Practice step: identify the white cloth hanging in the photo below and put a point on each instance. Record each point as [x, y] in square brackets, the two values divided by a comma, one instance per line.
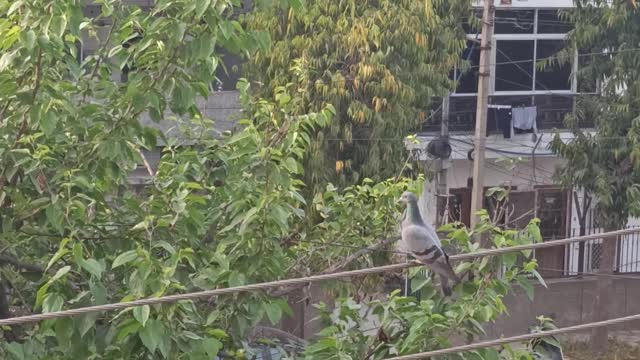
[524, 118]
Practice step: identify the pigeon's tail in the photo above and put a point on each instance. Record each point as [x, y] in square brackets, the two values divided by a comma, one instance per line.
[444, 283]
[446, 273]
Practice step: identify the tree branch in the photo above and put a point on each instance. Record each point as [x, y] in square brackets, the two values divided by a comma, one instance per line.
[101, 55]
[273, 333]
[4, 301]
[36, 87]
[6, 259]
[340, 265]
[146, 163]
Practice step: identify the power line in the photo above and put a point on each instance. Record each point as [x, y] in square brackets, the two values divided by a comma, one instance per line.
[503, 151]
[512, 62]
[519, 338]
[300, 281]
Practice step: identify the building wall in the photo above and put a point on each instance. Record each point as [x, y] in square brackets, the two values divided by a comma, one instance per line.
[522, 174]
[569, 302]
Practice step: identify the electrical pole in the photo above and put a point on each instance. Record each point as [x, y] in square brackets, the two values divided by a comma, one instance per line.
[484, 69]
[441, 188]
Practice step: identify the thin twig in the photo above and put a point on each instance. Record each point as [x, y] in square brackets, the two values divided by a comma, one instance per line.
[101, 55]
[34, 94]
[342, 264]
[6, 259]
[146, 163]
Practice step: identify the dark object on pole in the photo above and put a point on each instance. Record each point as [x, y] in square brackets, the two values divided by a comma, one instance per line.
[439, 148]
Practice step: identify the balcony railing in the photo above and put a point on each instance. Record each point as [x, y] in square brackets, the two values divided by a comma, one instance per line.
[551, 111]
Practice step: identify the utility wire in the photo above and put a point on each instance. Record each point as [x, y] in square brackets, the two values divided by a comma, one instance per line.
[513, 62]
[298, 281]
[519, 338]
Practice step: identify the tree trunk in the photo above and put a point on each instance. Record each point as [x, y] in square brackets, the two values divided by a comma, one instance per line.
[582, 220]
[604, 290]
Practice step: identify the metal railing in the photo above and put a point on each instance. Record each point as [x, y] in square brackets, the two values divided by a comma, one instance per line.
[585, 257]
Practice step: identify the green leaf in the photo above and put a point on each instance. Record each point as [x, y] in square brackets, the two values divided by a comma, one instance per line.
[55, 217]
[211, 346]
[201, 7]
[127, 329]
[218, 333]
[98, 291]
[463, 267]
[213, 316]
[236, 279]
[86, 323]
[534, 231]
[16, 350]
[58, 24]
[274, 312]
[489, 354]
[29, 38]
[296, 4]
[526, 285]
[93, 267]
[292, 165]
[182, 97]
[42, 292]
[419, 282]
[15, 6]
[49, 122]
[152, 334]
[62, 251]
[52, 303]
[539, 277]
[249, 217]
[124, 258]
[141, 313]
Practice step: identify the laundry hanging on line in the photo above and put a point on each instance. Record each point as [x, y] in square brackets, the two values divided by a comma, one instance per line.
[500, 119]
[524, 118]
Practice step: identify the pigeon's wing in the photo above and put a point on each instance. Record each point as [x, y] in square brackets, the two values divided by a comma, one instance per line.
[432, 234]
[418, 239]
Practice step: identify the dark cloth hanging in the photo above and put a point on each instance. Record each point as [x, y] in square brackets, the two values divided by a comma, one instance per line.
[499, 119]
[492, 121]
[504, 122]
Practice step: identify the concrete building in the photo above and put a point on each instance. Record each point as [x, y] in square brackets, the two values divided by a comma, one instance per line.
[527, 105]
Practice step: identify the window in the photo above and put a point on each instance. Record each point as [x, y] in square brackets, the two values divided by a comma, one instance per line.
[522, 41]
[514, 65]
[552, 76]
[551, 22]
[468, 80]
[552, 110]
[552, 210]
[229, 74]
[514, 22]
[462, 116]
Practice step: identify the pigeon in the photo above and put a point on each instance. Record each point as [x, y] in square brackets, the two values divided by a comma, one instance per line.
[423, 243]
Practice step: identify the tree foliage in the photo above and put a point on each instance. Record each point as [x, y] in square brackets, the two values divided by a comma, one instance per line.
[607, 162]
[216, 212]
[397, 325]
[378, 62]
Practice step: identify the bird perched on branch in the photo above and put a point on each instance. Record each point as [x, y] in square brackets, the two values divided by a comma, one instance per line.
[423, 243]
